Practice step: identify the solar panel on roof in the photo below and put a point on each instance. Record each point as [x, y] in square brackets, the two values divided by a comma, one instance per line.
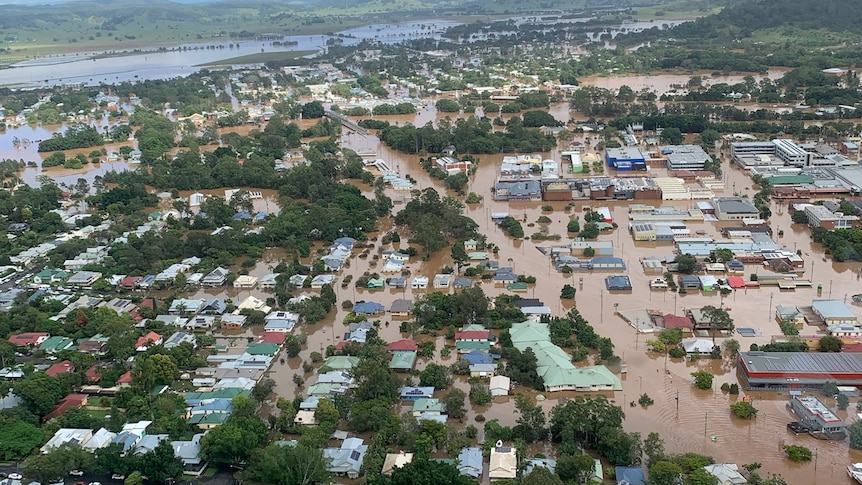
[504, 449]
[354, 455]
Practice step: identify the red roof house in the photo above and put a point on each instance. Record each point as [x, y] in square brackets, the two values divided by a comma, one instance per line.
[676, 321]
[855, 347]
[402, 346]
[68, 402]
[64, 367]
[473, 335]
[147, 341]
[272, 338]
[27, 339]
[125, 380]
[130, 281]
[736, 281]
[94, 374]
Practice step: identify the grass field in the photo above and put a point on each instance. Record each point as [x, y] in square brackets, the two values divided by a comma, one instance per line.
[261, 58]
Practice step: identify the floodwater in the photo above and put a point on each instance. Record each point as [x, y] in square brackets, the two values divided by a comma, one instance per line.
[665, 82]
[688, 419]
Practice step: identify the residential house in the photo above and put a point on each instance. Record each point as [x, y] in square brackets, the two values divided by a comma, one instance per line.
[395, 460]
[470, 462]
[253, 303]
[55, 344]
[245, 282]
[84, 278]
[630, 475]
[280, 326]
[398, 282]
[148, 340]
[789, 313]
[504, 462]
[95, 345]
[322, 280]
[845, 331]
[179, 338]
[403, 360]
[470, 245]
[419, 283]
[214, 306]
[215, 278]
[500, 386]
[69, 402]
[726, 473]
[409, 393]
[442, 281]
[369, 308]
[341, 362]
[28, 339]
[233, 321]
[268, 282]
[100, 439]
[402, 346]
[50, 276]
[468, 341]
[201, 322]
[834, 312]
[346, 460]
[62, 436]
[462, 283]
[121, 305]
[186, 306]
[483, 370]
[697, 345]
[401, 308]
[376, 283]
[189, 453]
[427, 406]
[297, 280]
[64, 367]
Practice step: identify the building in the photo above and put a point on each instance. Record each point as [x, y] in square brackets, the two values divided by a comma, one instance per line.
[146, 341]
[84, 278]
[626, 158]
[685, 157]
[834, 312]
[67, 435]
[395, 460]
[215, 278]
[798, 370]
[28, 339]
[820, 216]
[346, 460]
[791, 153]
[734, 208]
[819, 418]
[470, 462]
[504, 462]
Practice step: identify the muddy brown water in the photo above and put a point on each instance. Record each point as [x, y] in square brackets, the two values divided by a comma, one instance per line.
[699, 421]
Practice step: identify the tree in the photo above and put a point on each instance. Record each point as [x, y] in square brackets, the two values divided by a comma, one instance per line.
[45, 468]
[830, 343]
[664, 473]
[160, 464]
[589, 252]
[799, 217]
[743, 409]
[843, 402]
[531, 420]
[590, 231]
[541, 476]
[435, 375]
[855, 432]
[134, 478]
[312, 110]
[233, 442]
[574, 225]
[568, 292]
[654, 448]
[718, 318]
[830, 388]
[578, 467]
[18, 438]
[731, 345]
[699, 476]
[326, 412]
[702, 379]
[40, 392]
[454, 402]
[154, 370]
[721, 255]
[685, 263]
[262, 389]
[671, 136]
[288, 465]
[797, 453]
[422, 471]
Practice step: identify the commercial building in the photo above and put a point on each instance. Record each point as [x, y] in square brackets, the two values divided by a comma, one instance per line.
[791, 153]
[820, 216]
[626, 158]
[685, 157]
[734, 208]
[798, 370]
[817, 416]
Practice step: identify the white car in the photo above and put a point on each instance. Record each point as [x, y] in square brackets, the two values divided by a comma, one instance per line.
[117, 476]
[15, 476]
[76, 473]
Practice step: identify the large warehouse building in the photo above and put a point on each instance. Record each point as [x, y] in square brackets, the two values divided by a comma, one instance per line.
[798, 370]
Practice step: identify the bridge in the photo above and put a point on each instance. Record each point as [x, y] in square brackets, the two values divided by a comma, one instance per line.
[345, 122]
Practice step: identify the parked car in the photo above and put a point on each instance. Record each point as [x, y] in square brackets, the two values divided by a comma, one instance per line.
[76, 473]
[117, 476]
[15, 476]
[95, 483]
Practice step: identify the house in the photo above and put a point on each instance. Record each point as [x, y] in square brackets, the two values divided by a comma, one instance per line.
[468, 341]
[84, 278]
[395, 460]
[403, 360]
[427, 406]
[834, 312]
[630, 475]
[95, 345]
[297, 280]
[500, 386]
[470, 462]
[471, 245]
[341, 362]
[55, 344]
[100, 439]
[409, 393]
[787, 313]
[189, 453]
[200, 322]
[146, 341]
[322, 280]
[461, 283]
[233, 321]
[125, 380]
[504, 462]
[64, 367]
[398, 282]
[179, 338]
[28, 339]
[368, 308]
[483, 370]
[401, 308]
[726, 473]
[376, 283]
[186, 306]
[268, 282]
[531, 463]
[402, 346]
[697, 345]
[67, 403]
[67, 435]
[253, 303]
[346, 460]
[442, 281]
[214, 306]
[245, 282]
[215, 278]
[121, 305]
[280, 326]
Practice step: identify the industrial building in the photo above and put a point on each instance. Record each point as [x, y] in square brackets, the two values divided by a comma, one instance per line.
[819, 418]
[798, 370]
[685, 157]
[626, 158]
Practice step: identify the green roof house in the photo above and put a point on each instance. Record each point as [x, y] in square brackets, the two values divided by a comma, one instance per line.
[466, 346]
[376, 283]
[427, 405]
[262, 348]
[56, 344]
[403, 360]
[341, 362]
[555, 366]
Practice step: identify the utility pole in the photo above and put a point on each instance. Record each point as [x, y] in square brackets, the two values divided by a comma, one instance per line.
[677, 401]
